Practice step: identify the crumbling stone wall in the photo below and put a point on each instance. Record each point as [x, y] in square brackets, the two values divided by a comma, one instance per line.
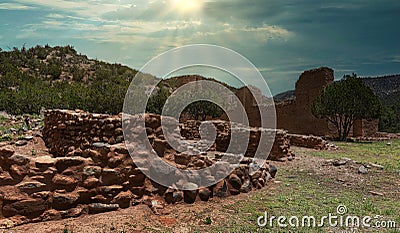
[280, 150]
[296, 116]
[70, 132]
[313, 142]
[92, 171]
[366, 128]
[104, 178]
[66, 131]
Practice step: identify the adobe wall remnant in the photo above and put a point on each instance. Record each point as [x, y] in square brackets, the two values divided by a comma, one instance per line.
[88, 175]
[68, 133]
[280, 150]
[296, 116]
[312, 142]
[256, 106]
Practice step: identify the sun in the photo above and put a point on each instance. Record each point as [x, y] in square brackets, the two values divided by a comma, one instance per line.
[188, 6]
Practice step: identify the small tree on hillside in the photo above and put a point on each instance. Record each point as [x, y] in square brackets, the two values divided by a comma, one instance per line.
[344, 101]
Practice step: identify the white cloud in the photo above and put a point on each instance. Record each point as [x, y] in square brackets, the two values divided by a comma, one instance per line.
[14, 6]
[395, 59]
[89, 8]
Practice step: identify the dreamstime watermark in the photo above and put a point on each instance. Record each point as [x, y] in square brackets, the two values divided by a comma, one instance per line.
[142, 87]
[340, 219]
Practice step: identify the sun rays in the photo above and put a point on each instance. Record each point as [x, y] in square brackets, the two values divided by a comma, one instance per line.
[187, 6]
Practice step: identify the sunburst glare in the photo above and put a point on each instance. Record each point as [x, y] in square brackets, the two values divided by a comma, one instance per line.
[188, 6]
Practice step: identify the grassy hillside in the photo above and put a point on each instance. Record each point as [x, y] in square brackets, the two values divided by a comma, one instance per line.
[58, 77]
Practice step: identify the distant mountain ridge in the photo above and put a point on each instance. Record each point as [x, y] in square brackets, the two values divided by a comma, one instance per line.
[387, 88]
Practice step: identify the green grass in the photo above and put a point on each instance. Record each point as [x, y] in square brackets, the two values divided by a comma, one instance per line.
[303, 193]
[5, 126]
[304, 196]
[375, 152]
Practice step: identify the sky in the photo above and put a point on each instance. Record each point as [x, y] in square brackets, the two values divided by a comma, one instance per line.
[281, 38]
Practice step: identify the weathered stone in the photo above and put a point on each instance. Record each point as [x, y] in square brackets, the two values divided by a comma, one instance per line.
[172, 196]
[94, 154]
[123, 199]
[64, 181]
[91, 183]
[11, 194]
[101, 145]
[160, 146]
[92, 171]
[110, 191]
[44, 161]
[65, 162]
[273, 170]
[115, 160]
[221, 189]
[43, 195]
[208, 180]
[182, 159]
[6, 151]
[63, 201]
[32, 187]
[233, 191]
[72, 213]
[29, 207]
[136, 180]
[340, 162]
[235, 181]
[161, 170]
[21, 143]
[100, 199]
[111, 177]
[19, 159]
[261, 181]
[120, 149]
[190, 193]
[204, 194]
[246, 187]
[18, 171]
[362, 170]
[50, 215]
[256, 174]
[95, 208]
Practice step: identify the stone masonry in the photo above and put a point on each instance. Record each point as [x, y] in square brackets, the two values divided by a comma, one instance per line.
[91, 170]
[295, 115]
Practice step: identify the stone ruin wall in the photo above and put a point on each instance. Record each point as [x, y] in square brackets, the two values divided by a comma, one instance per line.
[68, 133]
[92, 171]
[280, 149]
[296, 117]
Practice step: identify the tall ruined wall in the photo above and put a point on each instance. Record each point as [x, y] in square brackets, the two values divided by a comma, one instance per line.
[285, 116]
[310, 85]
[295, 116]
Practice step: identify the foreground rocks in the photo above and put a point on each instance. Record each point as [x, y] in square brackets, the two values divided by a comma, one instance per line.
[45, 188]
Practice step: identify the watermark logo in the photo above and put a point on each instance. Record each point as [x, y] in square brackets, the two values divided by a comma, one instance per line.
[341, 209]
[173, 61]
[340, 219]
